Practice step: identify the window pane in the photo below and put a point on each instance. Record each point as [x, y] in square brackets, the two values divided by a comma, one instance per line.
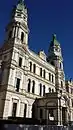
[43, 90]
[40, 71]
[20, 61]
[25, 110]
[33, 86]
[17, 85]
[52, 78]
[44, 74]
[49, 76]
[40, 89]
[30, 66]
[22, 36]
[34, 68]
[29, 83]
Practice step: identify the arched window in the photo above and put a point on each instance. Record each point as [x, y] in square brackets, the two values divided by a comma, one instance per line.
[30, 66]
[52, 78]
[40, 90]
[49, 90]
[29, 85]
[34, 68]
[61, 84]
[41, 72]
[22, 36]
[52, 90]
[60, 65]
[44, 73]
[49, 76]
[43, 90]
[33, 86]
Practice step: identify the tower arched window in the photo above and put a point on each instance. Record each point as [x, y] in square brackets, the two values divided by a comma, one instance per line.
[34, 68]
[22, 36]
[44, 73]
[30, 66]
[33, 86]
[29, 85]
[43, 90]
[40, 90]
[61, 84]
[60, 65]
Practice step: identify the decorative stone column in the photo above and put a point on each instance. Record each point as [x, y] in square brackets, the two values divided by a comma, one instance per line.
[61, 116]
[30, 110]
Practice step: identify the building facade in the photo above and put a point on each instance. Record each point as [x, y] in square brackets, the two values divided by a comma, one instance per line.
[28, 79]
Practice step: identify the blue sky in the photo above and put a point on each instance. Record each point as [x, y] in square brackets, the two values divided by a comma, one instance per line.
[45, 18]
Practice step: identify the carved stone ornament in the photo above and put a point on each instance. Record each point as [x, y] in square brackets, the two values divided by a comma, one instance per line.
[18, 74]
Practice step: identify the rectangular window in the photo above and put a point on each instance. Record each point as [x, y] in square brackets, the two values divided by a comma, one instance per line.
[14, 109]
[25, 110]
[17, 84]
[20, 61]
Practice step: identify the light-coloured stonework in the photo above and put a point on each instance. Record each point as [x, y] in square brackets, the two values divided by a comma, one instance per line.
[25, 76]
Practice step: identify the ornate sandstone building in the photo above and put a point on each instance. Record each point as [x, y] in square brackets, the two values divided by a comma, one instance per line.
[32, 85]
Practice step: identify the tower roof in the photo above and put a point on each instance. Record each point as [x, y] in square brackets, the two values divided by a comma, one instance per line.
[54, 41]
[21, 6]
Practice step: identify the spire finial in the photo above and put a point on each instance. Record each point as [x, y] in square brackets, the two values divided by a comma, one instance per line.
[54, 36]
[20, 1]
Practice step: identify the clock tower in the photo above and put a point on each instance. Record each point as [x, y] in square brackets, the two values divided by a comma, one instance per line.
[55, 58]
